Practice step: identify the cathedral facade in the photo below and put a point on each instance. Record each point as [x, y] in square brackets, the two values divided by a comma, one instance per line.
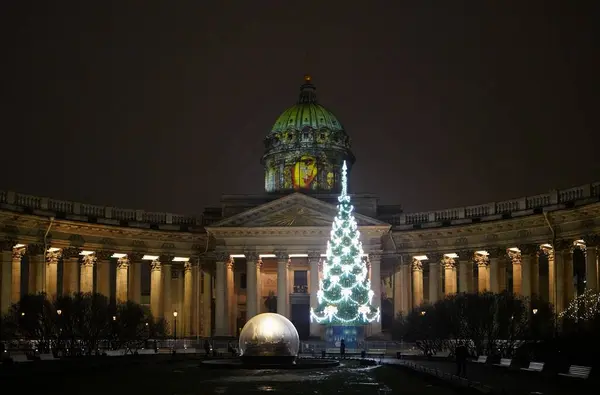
[259, 253]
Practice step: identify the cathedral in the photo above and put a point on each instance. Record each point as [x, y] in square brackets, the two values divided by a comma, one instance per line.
[261, 253]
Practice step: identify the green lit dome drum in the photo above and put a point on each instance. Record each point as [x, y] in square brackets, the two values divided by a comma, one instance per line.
[306, 147]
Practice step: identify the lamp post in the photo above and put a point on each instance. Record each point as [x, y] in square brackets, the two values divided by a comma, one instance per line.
[175, 326]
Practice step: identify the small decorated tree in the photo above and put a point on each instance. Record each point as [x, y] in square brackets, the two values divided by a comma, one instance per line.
[345, 295]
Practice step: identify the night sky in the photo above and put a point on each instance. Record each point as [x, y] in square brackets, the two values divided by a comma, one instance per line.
[165, 108]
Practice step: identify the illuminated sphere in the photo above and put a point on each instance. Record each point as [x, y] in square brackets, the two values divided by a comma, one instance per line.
[269, 338]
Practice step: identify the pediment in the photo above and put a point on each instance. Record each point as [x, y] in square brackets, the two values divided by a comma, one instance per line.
[296, 210]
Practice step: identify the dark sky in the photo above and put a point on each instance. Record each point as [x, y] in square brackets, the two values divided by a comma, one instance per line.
[165, 107]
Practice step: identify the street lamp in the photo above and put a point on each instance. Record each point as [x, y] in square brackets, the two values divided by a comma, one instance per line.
[535, 311]
[174, 325]
[59, 312]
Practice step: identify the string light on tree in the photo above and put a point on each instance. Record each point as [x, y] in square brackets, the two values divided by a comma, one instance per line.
[344, 296]
[585, 307]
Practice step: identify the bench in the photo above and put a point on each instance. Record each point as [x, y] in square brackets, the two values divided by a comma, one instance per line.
[481, 359]
[380, 352]
[115, 353]
[18, 358]
[504, 362]
[580, 372]
[186, 351]
[534, 367]
[47, 357]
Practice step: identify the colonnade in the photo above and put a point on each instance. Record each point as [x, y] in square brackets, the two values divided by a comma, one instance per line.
[486, 270]
[176, 283]
[226, 300]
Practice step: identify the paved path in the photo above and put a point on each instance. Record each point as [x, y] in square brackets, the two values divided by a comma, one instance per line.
[503, 380]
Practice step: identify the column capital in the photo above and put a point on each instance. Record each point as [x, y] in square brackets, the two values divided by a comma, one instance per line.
[70, 252]
[529, 249]
[52, 257]
[7, 245]
[88, 260]
[167, 258]
[375, 255]
[549, 252]
[416, 265]
[187, 267]
[222, 256]
[497, 253]
[515, 257]
[482, 260]
[563, 245]
[448, 263]
[123, 262]
[591, 240]
[35, 249]
[103, 255]
[134, 256]
[252, 255]
[281, 255]
[465, 255]
[405, 259]
[314, 255]
[17, 253]
[155, 265]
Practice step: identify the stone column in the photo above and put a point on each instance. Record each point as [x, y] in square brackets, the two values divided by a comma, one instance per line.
[450, 285]
[417, 282]
[17, 256]
[86, 282]
[156, 289]
[52, 258]
[561, 251]
[167, 301]
[134, 273]
[188, 297]
[282, 281]
[122, 274]
[528, 257]
[221, 294]
[465, 268]
[70, 271]
[493, 269]
[251, 285]
[375, 259]
[516, 260]
[568, 273]
[231, 299]
[313, 262]
[399, 302]
[37, 266]
[103, 274]
[535, 273]
[549, 252]
[483, 263]
[434, 278]
[591, 262]
[408, 285]
[259, 290]
[206, 302]
[6, 275]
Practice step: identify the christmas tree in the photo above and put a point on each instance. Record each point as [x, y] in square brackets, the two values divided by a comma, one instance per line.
[345, 295]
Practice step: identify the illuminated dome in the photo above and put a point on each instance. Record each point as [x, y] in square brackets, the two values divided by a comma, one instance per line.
[269, 338]
[306, 147]
[307, 113]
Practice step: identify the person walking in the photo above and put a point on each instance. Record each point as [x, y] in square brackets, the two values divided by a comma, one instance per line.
[461, 360]
[342, 349]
